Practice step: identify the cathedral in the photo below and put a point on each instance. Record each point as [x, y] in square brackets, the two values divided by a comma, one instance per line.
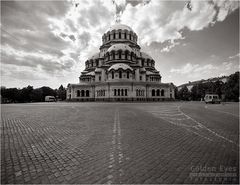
[120, 71]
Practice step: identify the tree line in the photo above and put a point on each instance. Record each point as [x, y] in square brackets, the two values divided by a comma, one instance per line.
[228, 91]
[29, 94]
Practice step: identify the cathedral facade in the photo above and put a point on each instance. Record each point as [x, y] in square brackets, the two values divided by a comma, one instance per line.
[120, 72]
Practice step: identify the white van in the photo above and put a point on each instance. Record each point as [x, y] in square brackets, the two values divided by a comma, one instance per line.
[212, 98]
[50, 99]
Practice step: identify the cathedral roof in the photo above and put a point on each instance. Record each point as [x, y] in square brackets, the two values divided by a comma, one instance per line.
[119, 47]
[119, 27]
[120, 65]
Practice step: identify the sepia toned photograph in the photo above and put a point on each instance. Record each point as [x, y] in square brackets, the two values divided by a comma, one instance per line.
[119, 91]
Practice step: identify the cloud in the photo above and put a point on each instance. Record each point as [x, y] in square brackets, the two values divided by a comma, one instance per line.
[169, 47]
[234, 56]
[163, 20]
[228, 65]
[194, 68]
[196, 71]
[84, 25]
[52, 38]
[46, 62]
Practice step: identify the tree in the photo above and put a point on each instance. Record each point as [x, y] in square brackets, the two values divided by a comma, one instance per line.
[231, 88]
[184, 93]
[37, 95]
[176, 92]
[47, 91]
[27, 94]
[61, 93]
[24, 94]
[10, 95]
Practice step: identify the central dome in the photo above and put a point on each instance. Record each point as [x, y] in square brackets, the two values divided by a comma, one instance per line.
[120, 27]
[117, 47]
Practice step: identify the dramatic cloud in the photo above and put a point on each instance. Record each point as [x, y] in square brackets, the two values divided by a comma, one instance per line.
[53, 39]
[163, 20]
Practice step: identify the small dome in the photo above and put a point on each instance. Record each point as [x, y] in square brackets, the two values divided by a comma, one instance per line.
[150, 73]
[95, 56]
[119, 47]
[142, 69]
[92, 73]
[145, 55]
[120, 65]
[119, 27]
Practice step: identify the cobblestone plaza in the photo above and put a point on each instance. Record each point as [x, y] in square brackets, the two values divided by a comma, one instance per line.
[122, 143]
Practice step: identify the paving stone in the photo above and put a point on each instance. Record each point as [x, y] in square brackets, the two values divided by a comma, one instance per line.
[65, 145]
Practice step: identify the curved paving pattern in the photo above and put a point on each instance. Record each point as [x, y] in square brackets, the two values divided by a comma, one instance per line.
[108, 143]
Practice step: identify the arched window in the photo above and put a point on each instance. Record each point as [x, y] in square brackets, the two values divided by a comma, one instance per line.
[97, 63]
[119, 35]
[108, 56]
[119, 54]
[87, 93]
[143, 92]
[125, 35]
[120, 74]
[78, 93]
[109, 37]
[82, 93]
[125, 92]
[113, 54]
[130, 37]
[137, 92]
[114, 36]
[118, 92]
[153, 92]
[158, 92]
[162, 92]
[127, 74]
[122, 92]
[126, 53]
[115, 92]
[112, 74]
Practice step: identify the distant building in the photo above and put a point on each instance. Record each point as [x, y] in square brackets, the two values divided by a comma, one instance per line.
[189, 85]
[120, 72]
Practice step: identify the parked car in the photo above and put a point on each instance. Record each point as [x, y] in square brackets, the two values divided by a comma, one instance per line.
[212, 98]
[50, 99]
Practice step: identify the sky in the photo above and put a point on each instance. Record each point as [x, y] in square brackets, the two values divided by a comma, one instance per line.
[46, 43]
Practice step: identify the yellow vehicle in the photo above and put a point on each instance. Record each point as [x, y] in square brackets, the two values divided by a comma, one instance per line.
[212, 98]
